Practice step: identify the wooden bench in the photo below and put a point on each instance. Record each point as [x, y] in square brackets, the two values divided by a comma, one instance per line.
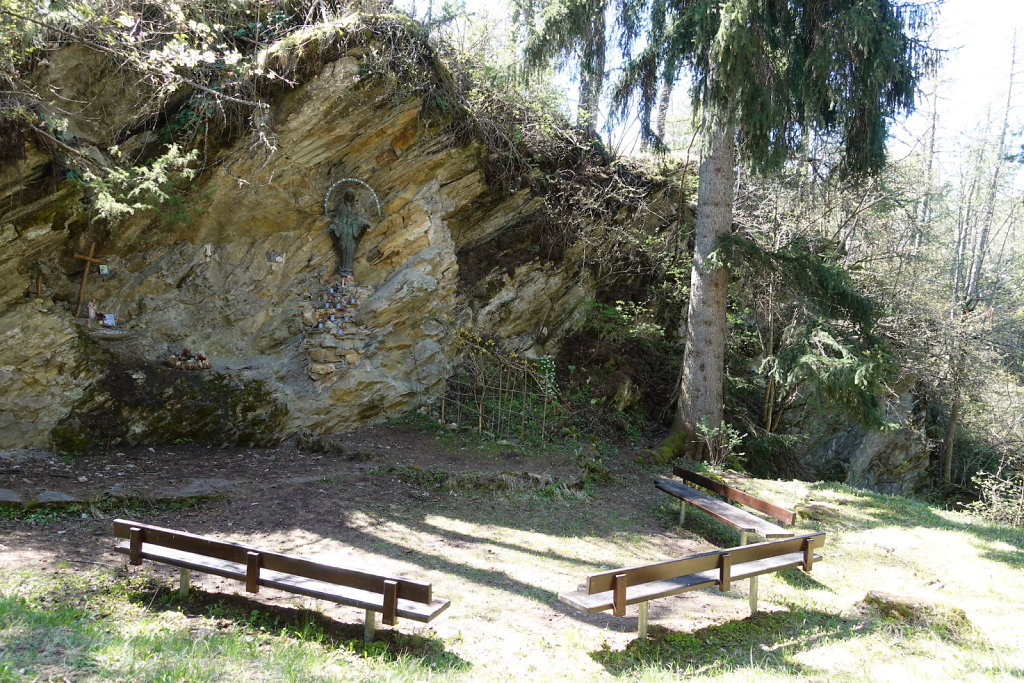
[393, 597]
[720, 507]
[616, 588]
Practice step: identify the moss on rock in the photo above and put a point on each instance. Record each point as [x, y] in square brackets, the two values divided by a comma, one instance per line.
[948, 621]
[138, 402]
[674, 446]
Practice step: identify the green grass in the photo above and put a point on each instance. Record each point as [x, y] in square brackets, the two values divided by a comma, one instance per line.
[800, 643]
[559, 442]
[820, 628]
[106, 626]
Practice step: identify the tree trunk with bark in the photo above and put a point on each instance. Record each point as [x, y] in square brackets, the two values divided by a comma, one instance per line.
[664, 99]
[950, 442]
[700, 385]
[592, 75]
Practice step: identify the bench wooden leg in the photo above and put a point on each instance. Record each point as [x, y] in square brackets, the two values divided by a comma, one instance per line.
[369, 625]
[641, 629]
[743, 537]
[682, 512]
[135, 546]
[183, 581]
[752, 598]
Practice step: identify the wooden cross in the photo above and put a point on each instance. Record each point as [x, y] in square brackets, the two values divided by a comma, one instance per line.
[85, 275]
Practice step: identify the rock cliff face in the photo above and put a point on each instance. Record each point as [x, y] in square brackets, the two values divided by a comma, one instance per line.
[235, 281]
[894, 461]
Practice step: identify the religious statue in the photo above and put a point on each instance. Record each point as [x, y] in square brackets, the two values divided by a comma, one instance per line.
[348, 222]
[346, 229]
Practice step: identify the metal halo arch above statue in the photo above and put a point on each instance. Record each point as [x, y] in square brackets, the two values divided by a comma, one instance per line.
[334, 186]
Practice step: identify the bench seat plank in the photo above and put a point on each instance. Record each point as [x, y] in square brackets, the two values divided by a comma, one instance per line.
[765, 565]
[292, 584]
[721, 510]
[732, 495]
[599, 602]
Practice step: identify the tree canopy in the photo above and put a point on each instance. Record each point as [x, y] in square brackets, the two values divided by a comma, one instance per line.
[781, 70]
[574, 27]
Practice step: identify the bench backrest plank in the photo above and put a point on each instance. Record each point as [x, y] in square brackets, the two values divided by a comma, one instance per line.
[658, 571]
[727, 492]
[715, 559]
[254, 559]
[806, 544]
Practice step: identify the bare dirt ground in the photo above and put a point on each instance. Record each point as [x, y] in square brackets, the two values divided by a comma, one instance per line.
[392, 501]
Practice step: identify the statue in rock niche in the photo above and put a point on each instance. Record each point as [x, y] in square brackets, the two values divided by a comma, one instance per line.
[348, 220]
[348, 225]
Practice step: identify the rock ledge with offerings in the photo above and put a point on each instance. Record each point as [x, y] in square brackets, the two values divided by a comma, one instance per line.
[187, 360]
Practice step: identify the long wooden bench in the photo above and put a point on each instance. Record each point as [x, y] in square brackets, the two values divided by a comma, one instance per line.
[393, 597]
[616, 588]
[720, 507]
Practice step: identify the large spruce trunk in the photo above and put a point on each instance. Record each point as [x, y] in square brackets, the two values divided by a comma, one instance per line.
[700, 385]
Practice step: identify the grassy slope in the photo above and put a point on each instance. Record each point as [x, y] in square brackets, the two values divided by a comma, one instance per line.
[105, 625]
[878, 542]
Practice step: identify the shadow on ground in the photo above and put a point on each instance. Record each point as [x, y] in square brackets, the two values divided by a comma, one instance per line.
[780, 636]
[299, 624]
[387, 517]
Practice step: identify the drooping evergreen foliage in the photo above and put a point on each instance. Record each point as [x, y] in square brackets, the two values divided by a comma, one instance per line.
[574, 28]
[819, 342]
[808, 275]
[769, 75]
[778, 70]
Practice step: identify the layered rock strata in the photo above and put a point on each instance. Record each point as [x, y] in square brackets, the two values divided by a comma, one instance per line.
[254, 241]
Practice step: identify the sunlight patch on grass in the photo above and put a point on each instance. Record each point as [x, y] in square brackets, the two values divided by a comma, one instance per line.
[886, 543]
[786, 494]
[939, 565]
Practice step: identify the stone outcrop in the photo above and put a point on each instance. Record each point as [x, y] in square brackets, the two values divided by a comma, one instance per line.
[137, 401]
[893, 461]
[231, 273]
[45, 370]
[231, 280]
[948, 621]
